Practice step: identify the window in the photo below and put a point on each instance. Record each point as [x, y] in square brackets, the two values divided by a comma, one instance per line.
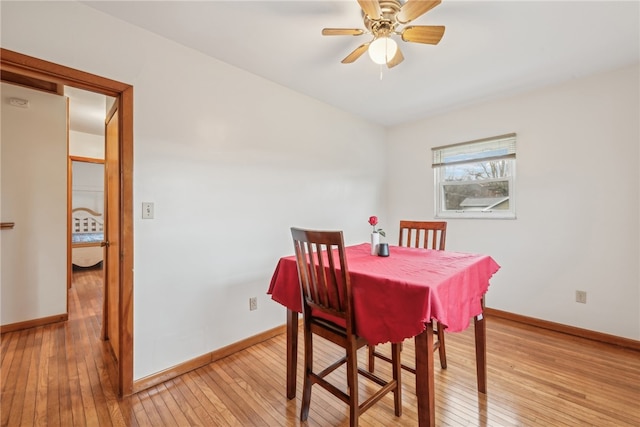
[476, 179]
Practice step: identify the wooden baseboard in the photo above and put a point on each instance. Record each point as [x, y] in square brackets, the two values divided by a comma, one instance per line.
[566, 329]
[195, 363]
[18, 326]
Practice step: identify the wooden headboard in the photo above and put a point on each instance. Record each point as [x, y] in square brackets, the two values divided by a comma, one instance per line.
[85, 220]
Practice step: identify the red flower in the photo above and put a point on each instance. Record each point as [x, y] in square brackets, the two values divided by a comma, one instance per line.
[373, 220]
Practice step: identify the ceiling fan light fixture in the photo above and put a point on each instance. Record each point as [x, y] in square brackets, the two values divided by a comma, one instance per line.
[382, 50]
[382, 19]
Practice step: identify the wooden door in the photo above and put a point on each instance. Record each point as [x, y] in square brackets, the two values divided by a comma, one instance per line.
[111, 312]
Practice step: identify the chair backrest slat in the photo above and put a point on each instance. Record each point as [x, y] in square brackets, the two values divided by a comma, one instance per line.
[423, 234]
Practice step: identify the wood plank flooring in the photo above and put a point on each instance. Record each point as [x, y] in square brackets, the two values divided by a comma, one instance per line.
[62, 375]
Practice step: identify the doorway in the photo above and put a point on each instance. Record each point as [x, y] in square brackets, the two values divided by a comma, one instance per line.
[87, 211]
[33, 72]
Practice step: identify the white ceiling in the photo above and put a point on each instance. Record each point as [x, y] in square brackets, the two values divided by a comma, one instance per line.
[490, 48]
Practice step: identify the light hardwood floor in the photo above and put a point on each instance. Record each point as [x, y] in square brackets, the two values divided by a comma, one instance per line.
[61, 375]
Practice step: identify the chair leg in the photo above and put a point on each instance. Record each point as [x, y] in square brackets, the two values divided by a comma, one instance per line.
[441, 349]
[372, 358]
[397, 376]
[308, 368]
[352, 384]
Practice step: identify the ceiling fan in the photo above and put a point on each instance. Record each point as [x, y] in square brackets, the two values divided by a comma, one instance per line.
[382, 19]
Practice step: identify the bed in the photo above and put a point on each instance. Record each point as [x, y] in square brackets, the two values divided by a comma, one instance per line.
[87, 235]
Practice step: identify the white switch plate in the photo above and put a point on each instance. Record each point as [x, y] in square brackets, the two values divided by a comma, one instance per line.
[147, 210]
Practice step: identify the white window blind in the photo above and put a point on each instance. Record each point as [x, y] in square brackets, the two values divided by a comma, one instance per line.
[488, 149]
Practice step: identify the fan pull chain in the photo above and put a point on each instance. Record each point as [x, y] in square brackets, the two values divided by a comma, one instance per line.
[381, 74]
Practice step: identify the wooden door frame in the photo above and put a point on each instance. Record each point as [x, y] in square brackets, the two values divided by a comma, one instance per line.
[34, 69]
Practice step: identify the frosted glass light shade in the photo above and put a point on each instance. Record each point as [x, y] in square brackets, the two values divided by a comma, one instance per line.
[382, 50]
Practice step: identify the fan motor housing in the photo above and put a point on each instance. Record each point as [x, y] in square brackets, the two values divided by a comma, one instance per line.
[387, 22]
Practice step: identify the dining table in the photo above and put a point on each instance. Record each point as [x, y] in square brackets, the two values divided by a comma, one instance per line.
[397, 297]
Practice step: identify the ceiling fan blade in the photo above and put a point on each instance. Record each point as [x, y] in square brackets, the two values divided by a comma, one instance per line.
[371, 8]
[357, 53]
[427, 34]
[397, 58]
[415, 8]
[342, 32]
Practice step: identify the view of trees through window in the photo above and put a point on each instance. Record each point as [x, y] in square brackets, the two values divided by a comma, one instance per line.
[477, 186]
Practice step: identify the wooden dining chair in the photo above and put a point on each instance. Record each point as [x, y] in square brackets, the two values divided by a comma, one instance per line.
[426, 235]
[327, 304]
[423, 234]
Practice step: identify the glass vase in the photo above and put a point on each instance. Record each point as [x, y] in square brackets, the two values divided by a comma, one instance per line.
[375, 241]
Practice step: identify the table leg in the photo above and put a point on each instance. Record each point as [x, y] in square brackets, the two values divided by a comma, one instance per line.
[292, 352]
[425, 389]
[481, 351]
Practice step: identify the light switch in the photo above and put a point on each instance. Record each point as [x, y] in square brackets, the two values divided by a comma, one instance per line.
[147, 210]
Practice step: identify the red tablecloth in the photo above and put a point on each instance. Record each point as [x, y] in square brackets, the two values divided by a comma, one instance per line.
[394, 296]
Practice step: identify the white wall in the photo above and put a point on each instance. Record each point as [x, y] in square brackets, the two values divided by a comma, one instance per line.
[87, 186]
[87, 178]
[33, 255]
[577, 199]
[231, 162]
[84, 144]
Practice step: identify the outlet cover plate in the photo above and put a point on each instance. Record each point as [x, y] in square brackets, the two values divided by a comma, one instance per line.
[147, 210]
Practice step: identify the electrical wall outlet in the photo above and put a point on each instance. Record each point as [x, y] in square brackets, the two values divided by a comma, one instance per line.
[581, 297]
[253, 303]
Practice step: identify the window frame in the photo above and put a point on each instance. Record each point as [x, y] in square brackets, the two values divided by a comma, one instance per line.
[475, 152]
